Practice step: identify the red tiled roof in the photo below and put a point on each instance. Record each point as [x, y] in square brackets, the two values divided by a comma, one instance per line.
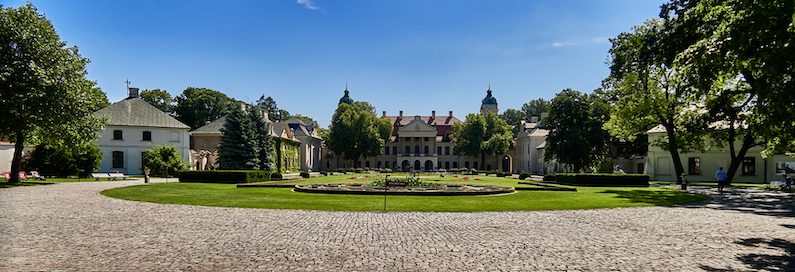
[439, 120]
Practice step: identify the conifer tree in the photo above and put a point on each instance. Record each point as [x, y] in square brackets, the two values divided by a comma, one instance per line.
[238, 149]
[263, 139]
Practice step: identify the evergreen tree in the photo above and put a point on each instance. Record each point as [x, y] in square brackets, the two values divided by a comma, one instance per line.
[263, 139]
[238, 148]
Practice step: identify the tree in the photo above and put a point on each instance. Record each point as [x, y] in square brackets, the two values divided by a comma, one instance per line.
[576, 136]
[306, 119]
[62, 161]
[482, 135]
[514, 118]
[262, 140]
[164, 160]
[45, 95]
[648, 90]
[161, 99]
[238, 149]
[739, 55]
[535, 108]
[198, 106]
[356, 132]
[275, 114]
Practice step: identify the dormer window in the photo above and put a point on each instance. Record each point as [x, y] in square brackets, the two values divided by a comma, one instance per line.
[147, 136]
[117, 135]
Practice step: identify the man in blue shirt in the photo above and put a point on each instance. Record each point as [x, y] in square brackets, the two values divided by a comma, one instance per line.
[720, 176]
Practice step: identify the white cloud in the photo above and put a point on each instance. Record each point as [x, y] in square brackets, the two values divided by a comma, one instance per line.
[561, 44]
[307, 4]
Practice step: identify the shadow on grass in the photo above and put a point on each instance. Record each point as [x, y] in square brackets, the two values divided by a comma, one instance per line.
[21, 184]
[765, 262]
[659, 198]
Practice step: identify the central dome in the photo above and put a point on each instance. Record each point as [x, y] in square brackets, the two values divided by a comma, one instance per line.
[489, 99]
[346, 99]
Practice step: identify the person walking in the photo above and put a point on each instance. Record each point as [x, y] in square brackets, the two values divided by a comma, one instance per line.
[720, 176]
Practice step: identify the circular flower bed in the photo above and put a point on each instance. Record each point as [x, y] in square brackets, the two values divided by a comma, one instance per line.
[433, 190]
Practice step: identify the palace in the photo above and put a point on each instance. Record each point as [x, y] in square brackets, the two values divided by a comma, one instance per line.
[423, 143]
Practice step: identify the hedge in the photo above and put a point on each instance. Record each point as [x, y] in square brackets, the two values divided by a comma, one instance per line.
[549, 177]
[602, 179]
[225, 176]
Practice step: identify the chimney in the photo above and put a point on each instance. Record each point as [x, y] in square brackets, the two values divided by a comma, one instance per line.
[264, 114]
[401, 114]
[451, 113]
[133, 92]
[433, 114]
[383, 114]
[243, 106]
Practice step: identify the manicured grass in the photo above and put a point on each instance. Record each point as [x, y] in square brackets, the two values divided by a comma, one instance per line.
[712, 183]
[227, 195]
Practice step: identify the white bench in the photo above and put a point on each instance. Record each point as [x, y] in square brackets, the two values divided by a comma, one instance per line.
[100, 175]
[776, 183]
[117, 175]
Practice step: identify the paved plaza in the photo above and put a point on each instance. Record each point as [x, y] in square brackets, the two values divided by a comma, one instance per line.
[71, 227]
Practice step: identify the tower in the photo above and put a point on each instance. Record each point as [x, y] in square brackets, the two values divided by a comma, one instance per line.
[346, 98]
[489, 103]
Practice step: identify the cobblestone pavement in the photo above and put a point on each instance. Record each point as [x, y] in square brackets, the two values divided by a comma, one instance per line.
[70, 227]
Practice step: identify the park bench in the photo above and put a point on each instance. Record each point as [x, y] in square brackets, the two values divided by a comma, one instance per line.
[117, 175]
[35, 175]
[100, 176]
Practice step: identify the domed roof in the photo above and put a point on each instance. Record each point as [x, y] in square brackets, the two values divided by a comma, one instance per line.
[346, 99]
[489, 99]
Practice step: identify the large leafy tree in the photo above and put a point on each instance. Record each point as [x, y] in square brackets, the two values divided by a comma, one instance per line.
[239, 148]
[576, 136]
[482, 135]
[356, 132]
[45, 95]
[739, 54]
[275, 114]
[535, 108]
[161, 99]
[63, 161]
[514, 118]
[649, 91]
[198, 106]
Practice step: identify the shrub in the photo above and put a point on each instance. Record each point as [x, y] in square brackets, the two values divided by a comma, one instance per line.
[500, 174]
[225, 176]
[304, 174]
[276, 176]
[63, 161]
[454, 170]
[603, 179]
[323, 173]
[358, 170]
[549, 177]
[386, 170]
[162, 160]
[524, 175]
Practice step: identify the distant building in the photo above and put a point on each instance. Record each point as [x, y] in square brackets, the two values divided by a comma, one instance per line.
[133, 126]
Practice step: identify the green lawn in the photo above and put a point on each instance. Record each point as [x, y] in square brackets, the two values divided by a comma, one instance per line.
[227, 195]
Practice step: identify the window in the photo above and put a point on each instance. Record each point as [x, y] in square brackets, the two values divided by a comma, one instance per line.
[408, 149]
[394, 150]
[694, 166]
[455, 164]
[447, 165]
[147, 136]
[416, 149]
[386, 164]
[118, 159]
[466, 164]
[386, 150]
[475, 165]
[367, 164]
[438, 150]
[446, 150]
[117, 135]
[378, 164]
[425, 149]
[749, 166]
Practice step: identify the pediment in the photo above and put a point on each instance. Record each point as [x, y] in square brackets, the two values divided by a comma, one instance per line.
[417, 125]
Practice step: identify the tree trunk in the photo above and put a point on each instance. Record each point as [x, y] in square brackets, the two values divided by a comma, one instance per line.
[673, 147]
[737, 160]
[482, 160]
[16, 162]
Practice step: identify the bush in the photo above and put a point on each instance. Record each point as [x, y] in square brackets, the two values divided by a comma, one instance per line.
[162, 160]
[304, 174]
[386, 170]
[323, 173]
[603, 179]
[63, 161]
[276, 176]
[225, 176]
[524, 175]
[549, 177]
[500, 174]
[358, 170]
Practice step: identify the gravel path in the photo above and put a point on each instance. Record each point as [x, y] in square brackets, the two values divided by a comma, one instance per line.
[70, 227]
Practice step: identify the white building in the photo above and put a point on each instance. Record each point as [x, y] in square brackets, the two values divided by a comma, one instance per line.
[701, 166]
[133, 126]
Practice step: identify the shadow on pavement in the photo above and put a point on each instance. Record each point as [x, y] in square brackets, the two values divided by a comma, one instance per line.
[765, 262]
[750, 200]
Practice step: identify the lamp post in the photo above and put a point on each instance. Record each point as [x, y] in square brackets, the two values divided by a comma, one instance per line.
[386, 185]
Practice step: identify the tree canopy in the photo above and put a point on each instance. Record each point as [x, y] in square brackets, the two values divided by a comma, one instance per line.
[161, 99]
[576, 136]
[482, 134]
[535, 108]
[198, 106]
[45, 95]
[514, 118]
[163, 161]
[239, 148]
[275, 114]
[356, 132]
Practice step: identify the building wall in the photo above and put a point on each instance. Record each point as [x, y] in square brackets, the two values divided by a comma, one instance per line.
[206, 142]
[659, 164]
[132, 146]
[287, 157]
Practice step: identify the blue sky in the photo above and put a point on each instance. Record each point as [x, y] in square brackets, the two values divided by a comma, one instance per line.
[415, 56]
